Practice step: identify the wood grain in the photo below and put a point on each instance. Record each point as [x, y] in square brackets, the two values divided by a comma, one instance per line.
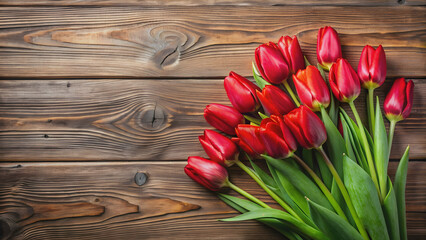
[143, 42]
[102, 200]
[208, 2]
[133, 119]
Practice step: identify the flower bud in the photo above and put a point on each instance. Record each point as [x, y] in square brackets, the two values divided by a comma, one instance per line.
[242, 93]
[344, 81]
[306, 127]
[219, 148]
[292, 53]
[271, 63]
[275, 101]
[250, 136]
[311, 88]
[277, 138]
[328, 47]
[223, 118]
[399, 101]
[210, 174]
[372, 67]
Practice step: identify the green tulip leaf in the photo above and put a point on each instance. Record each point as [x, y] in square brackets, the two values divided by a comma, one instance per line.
[252, 119]
[400, 181]
[258, 78]
[278, 214]
[326, 175]
[331, 224]
[263, 116]
[390, 211]
[299, 180]
[335, 143]
[380, 150]
[243, 206]
[307, 63]
[365, 199]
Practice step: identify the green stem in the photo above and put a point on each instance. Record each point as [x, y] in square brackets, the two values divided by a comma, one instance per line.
[345, 194]
[269, 191]
[247, 195]
[293, 96]
[367, 149]
[391, 133]
[370, 107]
[322, 186]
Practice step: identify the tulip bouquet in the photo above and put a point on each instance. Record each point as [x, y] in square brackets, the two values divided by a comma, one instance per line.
[327, 172]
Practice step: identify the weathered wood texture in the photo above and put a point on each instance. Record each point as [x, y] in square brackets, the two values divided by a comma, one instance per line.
[204, 41]
[134, 119]
[102, 201]
[208, 2]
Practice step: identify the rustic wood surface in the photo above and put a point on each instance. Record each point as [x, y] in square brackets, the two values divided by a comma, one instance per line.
[96, 93]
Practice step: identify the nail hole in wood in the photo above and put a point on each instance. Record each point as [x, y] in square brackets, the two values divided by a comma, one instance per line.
[141, 178]
[49, 120]
[401, 2]
[46, 136]
[68, 84]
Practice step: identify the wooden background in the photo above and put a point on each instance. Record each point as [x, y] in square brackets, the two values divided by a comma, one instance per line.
[95, 95]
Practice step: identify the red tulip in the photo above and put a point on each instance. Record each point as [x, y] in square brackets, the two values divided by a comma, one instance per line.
[250, 136]
[210, 174]
[311, 88]
[328, 47]
[242, 93]
[292, 53]
[271, 63]
[372, 67]
[399, 101]
[277, 138]
[219, 148]
[275, 101]
[344, 81]
[246, 148]
[306, 127]
[223, 118]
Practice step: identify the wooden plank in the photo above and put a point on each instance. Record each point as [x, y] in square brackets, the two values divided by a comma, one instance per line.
[102, 200]
[182, 41]
[207, 2]
[133, 119]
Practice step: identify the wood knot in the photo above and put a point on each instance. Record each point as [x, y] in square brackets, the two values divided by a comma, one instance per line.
[141, 178]
[153, 118]
[7, 227]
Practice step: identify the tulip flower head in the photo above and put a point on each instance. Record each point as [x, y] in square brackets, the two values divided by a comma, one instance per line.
[210, 174]
[223, 118]
[249, 135]
[275, 101]
[311, 88]
[271, 63]
[328, 47]
[344, 81]
[277, 138]
[399, 101]
[306, 127]
[241, 92]
[372, 67]
[292, 53]
[219, 148]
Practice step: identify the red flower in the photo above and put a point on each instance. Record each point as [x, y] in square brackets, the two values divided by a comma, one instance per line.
[250, 136]
[210, 174]
[277, 138]
[306, 127]
[311, 88]
[242, 93]
[271, 63]
[292, 53]
[219, 148]
[223, 118]
[372, 67]
[328, 47]
[399, 101]
[275, 101]
[344, 81]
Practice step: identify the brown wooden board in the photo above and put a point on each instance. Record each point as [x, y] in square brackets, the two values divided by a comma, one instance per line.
[203, 41]
[134, 119]
[103, 201]
[208, 2]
